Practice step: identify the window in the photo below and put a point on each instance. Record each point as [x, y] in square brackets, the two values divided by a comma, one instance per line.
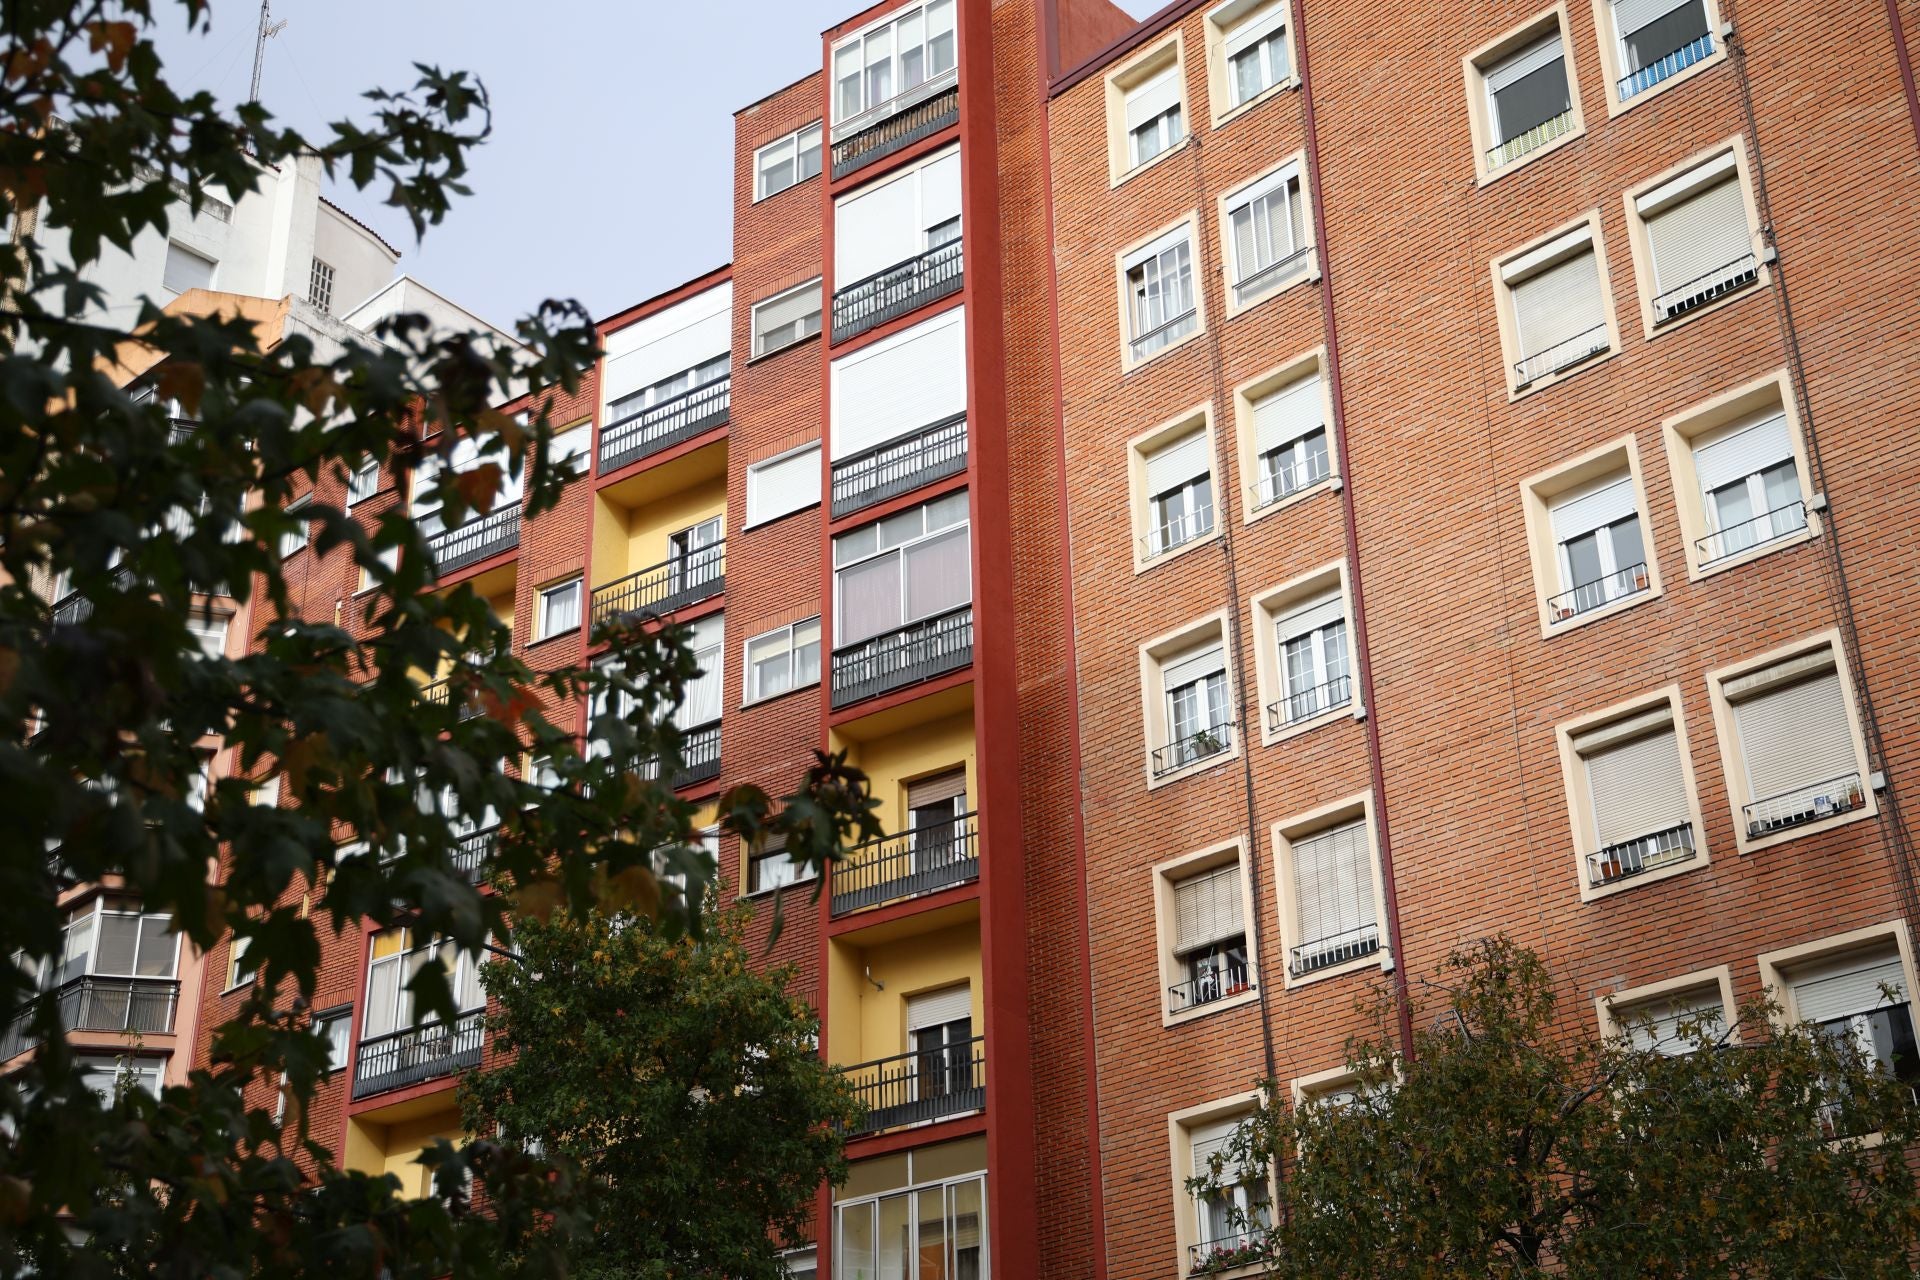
[320, 286]
[922, 1222]
[1198, 710]
[559, 609]
[1600, 555]
[1854, 989]
[396, 956]
[1253, 49]
[467, 453]
[1529, 99]
[787, 162]
[364, 483]
[1556, 300]
[240, 970]
[335, 1026]
[1698, 243]
[570, 450]
[1267, 235]
[1674, 1024]
[210, 631]
[186, 269]
[1749, 486]
[1329, 890]
[1158, 287]
[1311, 648]
[113, 1077]
[295, 539]
[113, 938]
[912, 565]
[1154, 120]
[1655, 40]
[1632, 793]
[783, 484]
[783, 660]
[389, 558]
[683, 383]
[1798, 758]
[1231, 1214]
[772, 867]
[786, 318]
[1289, 440]
[1179, 482]
[940, 1035]
[1209, 938]
[884, 62]
[801, 1263]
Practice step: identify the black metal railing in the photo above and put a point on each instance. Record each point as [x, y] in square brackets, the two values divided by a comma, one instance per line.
[1216, 984]
[471, 853]
[673, 584]
[1308, 703]
[409, 1057]
[1708, 287]
[1768, 526]
[1588, 596]
[1164, 333]
[1267, 277]
[1176, 533]
[913, 1088]
[1661, 68]
[1532, 140]
[913, 653]
[73, 608]
[1325, 953]
[901, 465]
[663, 425]
[1230, 1252]
[135, 1005]
[440, 694]
[1628, 858]
[906, 865]
[893, 292]
[1203, 744]
[1812, 803]
[1561, 356]
[699, 755]
[475, 540]
[1280, 482]
[901, 128]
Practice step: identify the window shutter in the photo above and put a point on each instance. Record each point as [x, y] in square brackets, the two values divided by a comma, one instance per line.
[1194, 665]
[935, 1008]
[950, 785]
[1293, 411]
[1590, 509]
[900, 385]
[1741, 450]
[1529, 88]
[1558, 302]
[939, 194]
[876, 229]
[1794, 736]
[1176, 464]
[802, 302]
[1256, 30]
[1837, 991]
[1310, 616]
[119, 936]
[1155, 96]
[186, 270]
[1699, 235]
[1631, 15]
[938, 574]
[780, 485]
[1209, 1140]
[1636, 785]
[1206, 908]
[1524, 63]
[1334, 888]
[1657, 1025]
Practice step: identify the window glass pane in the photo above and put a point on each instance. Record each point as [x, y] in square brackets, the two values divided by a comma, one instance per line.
[879, 58]
[1627, 550]
[913, 57]
[847, 80]
[1583, 560]
[896, 1256]
[769, 665]
[948, 510]
[119, 938]
[938, 575]
[806, 652]
[869, 600]
[809, 144]
[903, 527]
[940, 47]
[157, 947]
[855, 1239]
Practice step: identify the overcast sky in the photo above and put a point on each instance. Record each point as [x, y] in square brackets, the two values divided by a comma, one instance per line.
[609, 174]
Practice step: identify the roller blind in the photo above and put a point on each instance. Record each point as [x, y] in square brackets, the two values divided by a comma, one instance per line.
[1591, 509]
[1289, 413]
[1176, 464]
[900, 385]
[875, 229]
[1310, 616]
[1195, 665]
[1741, 450]
[1210, 1139]
[1558, 302]
[780, 485]
[1333, 885]
[1518, 67]
[1631, 15]
[1794, 736]
[1657, 1025]
[119, 938]
[951, 785]
[1256, 29]
[1637, 786]
[1835, 991]
[1152, 97]
[935, 1008]
[1206, 908]
[1699, 235]
[804, 301]
[939, 192]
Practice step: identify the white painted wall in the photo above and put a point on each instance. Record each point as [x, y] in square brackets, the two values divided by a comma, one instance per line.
[666, 342]
[362, 265]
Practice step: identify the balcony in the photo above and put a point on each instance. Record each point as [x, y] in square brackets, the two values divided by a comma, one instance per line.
[909, 655]
[1216, 984]
[1280, 482]
[1176, 533]
[1532, 140]
[1230, 1252]
[1768, 526]
[1588, 596]
[1336, 949]
[475, 540]
[892, 293]
[915, 1088]
[1703, 289]
[470, 855]
[906, 866]
[418, 1054]
[663, 425]
[1629, 858]
[1815, 803]
[900, 466]
[440, 693]
[673, 584]
[1665, 67]
[900, 122]
[142, 1006]
[1308, 703]
[1203, 744]
[699, 756]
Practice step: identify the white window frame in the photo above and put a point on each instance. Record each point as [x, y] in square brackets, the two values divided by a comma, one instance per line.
[1122, 82]
[570, 443]
[320, 285]
[1613, 58]
[1481, 112]
[1723, 163]
[1574, 740]
[761, 348]
[363, 483]
[1298, 264]
[541, 596]
[1617, 1011]
[1168, 126]
[1167, 878]
[1745, 405]
[1292, 831]
[1215, 630]
[1233, 27]
[1512, 270]
[1181, 1126]
[1540, 493]
[755, 489]
[775, 854]
[749, 671]
[965, 527]
[1157, 250]
[898, 99]
[796, 150]
[293, 543]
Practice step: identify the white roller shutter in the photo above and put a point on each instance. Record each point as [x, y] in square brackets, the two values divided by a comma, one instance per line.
[1631, 15]
[1176, 464]
[1524, 63]
[1794, 736]
[899, 385]
[780, 485]
[939, 192]
[1256, 29]
[951, 785]
[1699, 235]
[1558, 302]
[1153, 97]
[1210, 1139]
[1838, 991]
[1293, 411]
[1310, 616]
[1206, 908]
[1657, 1025]
[936, 1008]
[1193, 666]
[1637, 786]
[1333, 886]
[1590, 509]
[672, 341]
[1741, 450]
[876, 229]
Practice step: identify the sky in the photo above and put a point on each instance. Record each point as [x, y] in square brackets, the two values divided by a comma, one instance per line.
[609, 174]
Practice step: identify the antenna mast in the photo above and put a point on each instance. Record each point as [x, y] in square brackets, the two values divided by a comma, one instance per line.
[268, 30]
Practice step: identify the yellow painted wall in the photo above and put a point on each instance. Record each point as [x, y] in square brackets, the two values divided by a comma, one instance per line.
[891, 762]
[869, 1023]
[375, 1148]
[609, 541]
[627, 541]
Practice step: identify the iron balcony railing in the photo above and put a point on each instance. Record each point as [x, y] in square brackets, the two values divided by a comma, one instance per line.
[409, 1057]
[1281, 482]
[663, 425]
[699, 755]
[906, 865]
[673, 584]
[1661, 68]
[899, 466]
[1163, 334]
[1588, 596]
[1177, 532]
[1708, 287]
[1532, 140]
[1230, 1252]
[475, 540]
[901, 121]
[913, 1088]
[906, 656]
[134, 1005]
[440, 693]
[1216, 984]
[1308, 703]
[1203, 744]
[1629, 858]
[901, 288]
[73, 608]
[1269, 276]
[1768, 526]
[470, 855]
[1325, 953]
[1561, 356]
[1802, 805]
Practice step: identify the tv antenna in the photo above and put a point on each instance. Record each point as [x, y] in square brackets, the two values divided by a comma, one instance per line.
[268, 30]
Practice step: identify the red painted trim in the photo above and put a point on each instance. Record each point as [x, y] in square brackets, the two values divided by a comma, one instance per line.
[881, 1144]
[899, 697]
[912, 498]
[601, 480]
[861, 921]
[872, 13]
[661, 301]
[919, 315]
[1150, 26]
[479, 567]
[443, 1084]
[886, 166]
[1906, 66]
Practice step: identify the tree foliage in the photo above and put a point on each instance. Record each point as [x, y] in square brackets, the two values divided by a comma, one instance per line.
[103, 710]
[680, 1089]
[1507, 1145]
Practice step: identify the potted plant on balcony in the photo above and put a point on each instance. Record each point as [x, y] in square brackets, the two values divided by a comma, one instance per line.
[1205, 743]
[1226, 1255]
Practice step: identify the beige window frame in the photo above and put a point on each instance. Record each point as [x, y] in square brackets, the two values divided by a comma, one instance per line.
[1548, 137]
[1705, 170]
[1580, 738]
[1128, 76]
[1155, 656]
[1180, 1127]
[1544, 253]
[1141, 450]
[1123, 293]
[1615, 1011]
[1707, 548]
[1538, 495]
[1222, 24]
[1289, 833]
[1268, 610]
[1733, 758]
[1167, 877]
[1607, 36]
[1302, 263]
